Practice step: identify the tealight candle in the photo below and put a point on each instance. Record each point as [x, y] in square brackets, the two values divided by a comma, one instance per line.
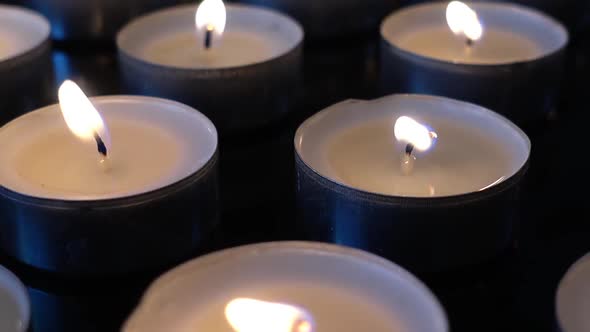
[15, 308]
[511, 64]
[146, 180]
[573, 295]
[288, 287]
[92, 19]
[25, 61]
[239, 64]
[440, 172]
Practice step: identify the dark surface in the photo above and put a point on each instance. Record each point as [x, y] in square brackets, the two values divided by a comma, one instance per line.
[514, 292]
[92, 19]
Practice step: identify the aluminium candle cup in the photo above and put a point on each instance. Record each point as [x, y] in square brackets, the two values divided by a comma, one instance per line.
[457, 208]
[25, 63]
[515, 69]
[572, 297]
[329, 19]
[92, 19]
[154, 216]
[324, 280]
[247, 80]
[15, 307]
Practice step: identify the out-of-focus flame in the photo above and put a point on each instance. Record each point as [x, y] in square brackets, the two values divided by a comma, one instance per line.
[412, 132]
[80, 115]
[249, 315]
[211, 15]
[463, 20]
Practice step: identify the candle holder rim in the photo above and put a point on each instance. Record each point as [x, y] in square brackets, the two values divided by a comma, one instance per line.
[19, 291]
[45, 35]
[571, 271]
[284, 53]
[185, 270]
[490, 66]
[132, 199]
[491, 190]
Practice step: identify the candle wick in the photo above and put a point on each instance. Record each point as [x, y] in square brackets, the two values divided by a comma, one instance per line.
[469, 42]
[409, 149]
[408, 160]
[102, 148]
[208, 37]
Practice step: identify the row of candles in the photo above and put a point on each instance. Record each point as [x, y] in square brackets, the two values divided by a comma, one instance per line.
[418, 169]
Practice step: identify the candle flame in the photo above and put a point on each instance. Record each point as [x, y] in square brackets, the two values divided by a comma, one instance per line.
[412, 132]
[463, 20]
[211, 15]
[249, 315]
[80, 115]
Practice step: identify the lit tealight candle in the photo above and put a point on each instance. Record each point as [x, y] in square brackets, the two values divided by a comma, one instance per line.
[373, 174]
[288, 287]
[237, 63]
[499, 55]
[157, 189]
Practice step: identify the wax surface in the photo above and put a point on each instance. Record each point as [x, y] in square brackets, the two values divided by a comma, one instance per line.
[184, 50]
[60, 163]
[368, 158]
[10, 317]
[155, 143]
[573, 298]
[495, 46]
[353, 143]
[3, 48]
[322, 299]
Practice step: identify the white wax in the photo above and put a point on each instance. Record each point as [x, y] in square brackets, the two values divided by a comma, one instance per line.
[573, 298]
[352, 143]
[14, 303]
[495, 45]
[512, 33]
[10, 316]
[342, 289]
[169, 37]
[155, 143]
[184, 50]
[20, 31]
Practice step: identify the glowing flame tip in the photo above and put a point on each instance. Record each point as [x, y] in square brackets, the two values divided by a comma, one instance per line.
[249, 315]
[464, 20]
[211, 15]
[82, 118]
[412, 132]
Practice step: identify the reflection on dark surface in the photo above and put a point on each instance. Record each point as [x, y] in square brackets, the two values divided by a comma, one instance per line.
[515, 292]
[92, 67]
